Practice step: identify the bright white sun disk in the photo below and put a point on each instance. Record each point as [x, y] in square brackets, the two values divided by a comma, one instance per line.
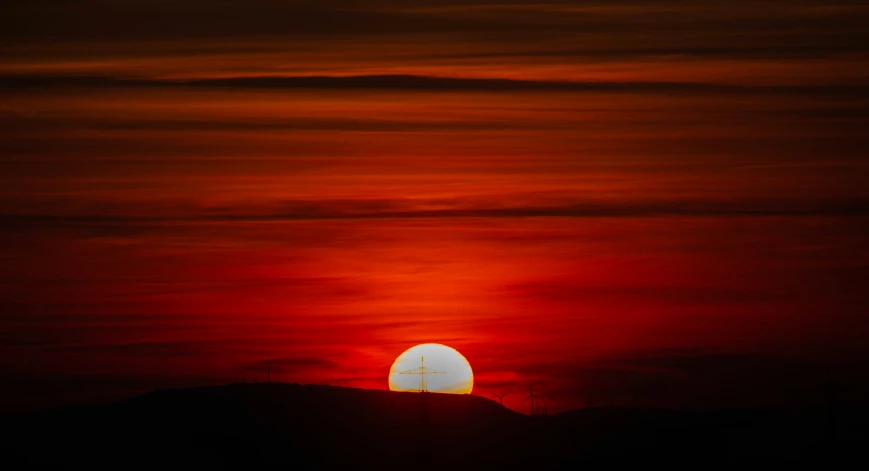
[436, 367]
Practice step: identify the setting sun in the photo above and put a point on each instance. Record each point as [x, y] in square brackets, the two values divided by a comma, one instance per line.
[431, 367]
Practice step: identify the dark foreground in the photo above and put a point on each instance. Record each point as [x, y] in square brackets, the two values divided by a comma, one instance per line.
[321, 427]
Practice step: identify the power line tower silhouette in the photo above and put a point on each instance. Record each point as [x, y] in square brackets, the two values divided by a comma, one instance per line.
[423, 450]
[500, 397]
[422, 371]
[534, 399]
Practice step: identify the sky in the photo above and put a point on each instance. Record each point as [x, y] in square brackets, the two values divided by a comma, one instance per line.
[621, 202]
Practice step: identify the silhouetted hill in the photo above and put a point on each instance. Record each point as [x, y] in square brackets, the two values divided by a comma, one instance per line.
[321, 427]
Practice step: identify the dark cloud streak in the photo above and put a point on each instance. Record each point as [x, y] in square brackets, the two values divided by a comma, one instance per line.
[398, 209]
[418, 83]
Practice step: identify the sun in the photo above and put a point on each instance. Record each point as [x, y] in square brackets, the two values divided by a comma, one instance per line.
[431, 367]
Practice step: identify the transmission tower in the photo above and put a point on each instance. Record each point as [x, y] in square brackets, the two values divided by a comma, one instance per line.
[422, 371]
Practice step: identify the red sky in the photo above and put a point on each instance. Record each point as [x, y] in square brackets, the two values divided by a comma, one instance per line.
[620, 202]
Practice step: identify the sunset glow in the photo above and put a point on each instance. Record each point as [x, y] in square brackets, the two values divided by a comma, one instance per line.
[614, 201]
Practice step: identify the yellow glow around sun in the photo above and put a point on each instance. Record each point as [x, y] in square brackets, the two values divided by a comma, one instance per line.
[446, 370]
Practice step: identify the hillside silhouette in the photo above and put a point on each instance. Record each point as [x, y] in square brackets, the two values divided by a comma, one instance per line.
[322, 427]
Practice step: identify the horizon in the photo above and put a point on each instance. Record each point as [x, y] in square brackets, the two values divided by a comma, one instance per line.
[125, 399]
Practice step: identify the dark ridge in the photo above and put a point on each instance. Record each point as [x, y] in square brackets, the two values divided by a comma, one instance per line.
[322, 427]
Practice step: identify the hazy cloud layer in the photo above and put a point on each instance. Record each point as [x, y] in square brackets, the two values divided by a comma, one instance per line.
[506, 39]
